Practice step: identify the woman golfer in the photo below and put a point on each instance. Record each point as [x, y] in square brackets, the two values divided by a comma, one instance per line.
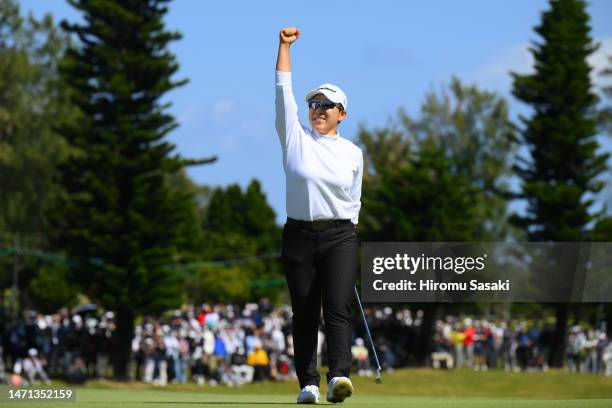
[319, 251]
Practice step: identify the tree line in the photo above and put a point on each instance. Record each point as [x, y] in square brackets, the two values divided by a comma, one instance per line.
[95, 201]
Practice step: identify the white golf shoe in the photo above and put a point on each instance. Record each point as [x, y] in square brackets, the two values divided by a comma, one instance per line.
[309, 395]
[338, 389]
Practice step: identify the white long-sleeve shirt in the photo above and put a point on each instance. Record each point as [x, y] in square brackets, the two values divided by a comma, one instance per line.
[323, 173]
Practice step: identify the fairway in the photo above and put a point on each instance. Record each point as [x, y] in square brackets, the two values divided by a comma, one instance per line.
[421, 388]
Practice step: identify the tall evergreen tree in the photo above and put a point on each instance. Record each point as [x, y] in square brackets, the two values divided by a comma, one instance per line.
[559, 179]
[121, 217]
[602, 231]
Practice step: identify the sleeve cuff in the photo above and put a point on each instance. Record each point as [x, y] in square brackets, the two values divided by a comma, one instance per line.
[283, 78]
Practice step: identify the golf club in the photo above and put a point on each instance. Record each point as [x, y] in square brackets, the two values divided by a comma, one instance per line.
[365, 323]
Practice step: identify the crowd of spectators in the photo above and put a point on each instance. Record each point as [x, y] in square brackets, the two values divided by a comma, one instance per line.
[516, 346]
[232, 345]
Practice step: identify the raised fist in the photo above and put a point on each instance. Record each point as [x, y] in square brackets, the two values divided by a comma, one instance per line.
[288, 35]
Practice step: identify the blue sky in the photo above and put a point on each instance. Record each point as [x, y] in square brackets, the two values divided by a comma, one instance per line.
[383, 57]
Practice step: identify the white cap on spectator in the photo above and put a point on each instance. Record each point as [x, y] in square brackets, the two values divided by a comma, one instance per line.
[42, 324]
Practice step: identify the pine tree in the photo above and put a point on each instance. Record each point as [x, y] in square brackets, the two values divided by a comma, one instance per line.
[559, 180]
[121, 217]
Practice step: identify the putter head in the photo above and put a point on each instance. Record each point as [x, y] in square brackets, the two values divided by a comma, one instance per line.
[378, 377]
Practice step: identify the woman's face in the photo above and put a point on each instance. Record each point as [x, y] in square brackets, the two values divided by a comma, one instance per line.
[325, 121]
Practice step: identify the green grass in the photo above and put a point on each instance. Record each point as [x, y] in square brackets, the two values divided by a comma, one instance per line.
[421, 388]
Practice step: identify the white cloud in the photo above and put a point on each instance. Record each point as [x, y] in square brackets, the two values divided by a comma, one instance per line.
[495, 74]
[222, 108]
[229, 142]
[258, 127]
[599, 61]
[187, 114]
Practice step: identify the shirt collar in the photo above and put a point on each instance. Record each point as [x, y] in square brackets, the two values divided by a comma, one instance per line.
[327, 137]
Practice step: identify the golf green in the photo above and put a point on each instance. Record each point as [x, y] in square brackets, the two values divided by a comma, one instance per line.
[423, 388]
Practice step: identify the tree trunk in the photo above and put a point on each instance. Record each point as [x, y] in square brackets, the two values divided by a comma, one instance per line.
[559, 338]
[608, 314]
[122, 349]
[423, 345]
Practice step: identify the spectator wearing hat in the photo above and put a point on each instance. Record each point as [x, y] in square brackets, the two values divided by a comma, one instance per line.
[33, 367]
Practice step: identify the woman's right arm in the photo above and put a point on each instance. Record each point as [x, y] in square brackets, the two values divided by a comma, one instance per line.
[286, 37]
[287, 123]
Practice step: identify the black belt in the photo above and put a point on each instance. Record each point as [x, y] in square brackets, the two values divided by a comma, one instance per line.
[317, 225]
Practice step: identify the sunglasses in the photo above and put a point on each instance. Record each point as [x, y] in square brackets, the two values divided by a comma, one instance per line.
[325, 105]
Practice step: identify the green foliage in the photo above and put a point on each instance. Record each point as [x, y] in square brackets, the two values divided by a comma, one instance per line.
[439, 177]
[424, 201]
[385, 148]
[33, 99]
[472, 128]
[218, 284]
[604, 121]
[51, 289]
[464, 134]
[189, 234]
[241, 225]
[605, 115]
[248, 214]
[122, 217]
[560, 178]
[602, 232]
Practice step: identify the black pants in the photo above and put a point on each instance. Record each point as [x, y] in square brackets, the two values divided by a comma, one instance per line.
[320, 268]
